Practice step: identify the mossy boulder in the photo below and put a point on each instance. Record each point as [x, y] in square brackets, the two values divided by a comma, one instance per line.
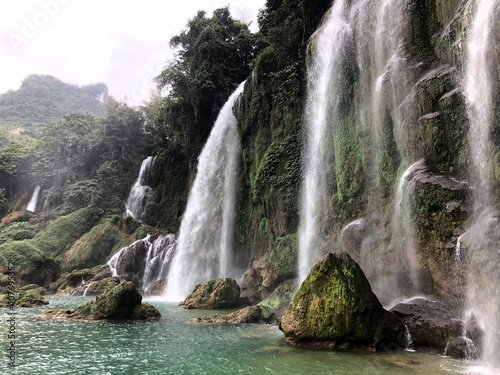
[121, 302]
[24, 298]
[335, 307]
[214, 294]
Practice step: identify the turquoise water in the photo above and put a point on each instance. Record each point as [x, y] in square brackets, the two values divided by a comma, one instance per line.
[170, 346]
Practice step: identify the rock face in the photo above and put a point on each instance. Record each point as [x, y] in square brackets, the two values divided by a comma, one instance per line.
[25, 298]
[335, 307]
[214, 294]
[121, 302]
[435, 328]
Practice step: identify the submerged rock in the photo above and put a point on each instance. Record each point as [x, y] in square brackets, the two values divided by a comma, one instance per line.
[121, 302]
[214, 294]
[24, 298]
[335, 307]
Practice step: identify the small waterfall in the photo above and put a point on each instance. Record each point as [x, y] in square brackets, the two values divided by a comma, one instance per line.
[404, 242]
[140, 194]
[324, 96]
[483, 278]
[206, 232]
[408, 340]
[144, 262]
[34, 199]
[87, 289]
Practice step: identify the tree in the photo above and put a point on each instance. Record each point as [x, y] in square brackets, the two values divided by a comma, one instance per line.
[213, 58]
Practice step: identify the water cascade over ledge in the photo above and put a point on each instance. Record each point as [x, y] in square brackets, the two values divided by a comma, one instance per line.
[34, 199]
[140, 194]
[324, 96]
[144, 261]
[205, 237]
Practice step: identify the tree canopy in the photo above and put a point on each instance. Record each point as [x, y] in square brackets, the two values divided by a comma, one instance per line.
[213, 57]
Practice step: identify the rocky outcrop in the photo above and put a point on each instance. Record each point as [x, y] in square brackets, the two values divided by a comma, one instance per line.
[440, 215]
[267, 311]
[121, 302]
[24, 298]
[335, 307]
[214, 294]
[89, 281]
[16, 216]
[435, 327]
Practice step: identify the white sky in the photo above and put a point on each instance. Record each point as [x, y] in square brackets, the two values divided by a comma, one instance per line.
[121, 43]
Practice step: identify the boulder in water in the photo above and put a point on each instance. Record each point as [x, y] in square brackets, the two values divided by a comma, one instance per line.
[434, 327]
[24, 298]
[267, 311]
[335, 307]
[121, 302]
[214, 294]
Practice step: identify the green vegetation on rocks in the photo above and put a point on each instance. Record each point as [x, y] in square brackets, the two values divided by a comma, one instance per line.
[335, 306]
[214, 294]
[24, 298]
[121, 302]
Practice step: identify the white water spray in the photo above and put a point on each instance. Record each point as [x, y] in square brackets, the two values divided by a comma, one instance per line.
[34, 199]
[324, 94]
[140, 194]
[483, 294]
[205, 237]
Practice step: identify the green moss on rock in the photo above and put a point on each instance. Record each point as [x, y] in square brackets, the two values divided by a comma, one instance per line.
[214, 294]
[335, 306]
[24, 298]
[121, 302]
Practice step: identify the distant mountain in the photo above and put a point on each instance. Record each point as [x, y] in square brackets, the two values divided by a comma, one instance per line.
[44, 98]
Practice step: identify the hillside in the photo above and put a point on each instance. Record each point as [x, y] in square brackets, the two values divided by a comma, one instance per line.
[44, 98]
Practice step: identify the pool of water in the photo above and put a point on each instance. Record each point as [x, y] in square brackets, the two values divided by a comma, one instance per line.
[170, 346]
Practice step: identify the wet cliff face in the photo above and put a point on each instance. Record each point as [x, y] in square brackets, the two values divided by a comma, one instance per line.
[401, 101]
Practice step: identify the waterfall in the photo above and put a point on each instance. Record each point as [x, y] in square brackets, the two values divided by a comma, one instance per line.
[324, 95]
[34, 199]
[206, 232]
[483, 278]
[140, 194]
[404, 242]
[144, 262]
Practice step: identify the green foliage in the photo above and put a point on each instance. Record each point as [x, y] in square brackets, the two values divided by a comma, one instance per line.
[17, 232]
[24, 253]
[95, 247]
[213, 57]
[283, 255]
[12, 159]
[65, 230]
[43, 98]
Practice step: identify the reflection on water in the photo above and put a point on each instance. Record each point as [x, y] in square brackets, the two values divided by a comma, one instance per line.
[169, 346]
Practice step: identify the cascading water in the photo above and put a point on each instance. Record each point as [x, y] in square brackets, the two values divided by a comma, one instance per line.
[144, 262]
[483, 270]
[140, 194]
[206, 232]
[324, 94]
[404, 241]
[34, 199]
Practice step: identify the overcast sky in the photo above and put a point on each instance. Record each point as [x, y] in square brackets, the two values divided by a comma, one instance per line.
[123, 43]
